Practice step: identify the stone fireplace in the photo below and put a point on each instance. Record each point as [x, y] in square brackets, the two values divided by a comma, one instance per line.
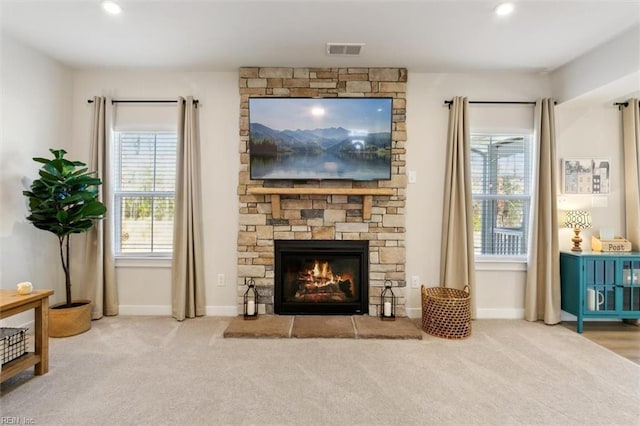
[321, 277]
[370, 212]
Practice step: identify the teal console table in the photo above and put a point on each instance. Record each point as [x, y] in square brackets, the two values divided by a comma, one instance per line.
[600, 285]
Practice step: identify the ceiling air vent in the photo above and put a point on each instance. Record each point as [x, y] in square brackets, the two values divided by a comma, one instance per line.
[344, 49]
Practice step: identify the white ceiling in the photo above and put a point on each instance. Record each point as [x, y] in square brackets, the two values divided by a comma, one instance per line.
[222, 35]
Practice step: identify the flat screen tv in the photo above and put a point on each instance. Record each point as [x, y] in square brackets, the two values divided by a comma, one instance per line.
[320, 138]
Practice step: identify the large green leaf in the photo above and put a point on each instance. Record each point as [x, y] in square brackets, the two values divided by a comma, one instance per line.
[64, 199]
[62, 216]
[48, 177]
[93, 209]
[81, 226]
[75, 198]
[83, 180]
[80, 172]
[58, 153]
[50, 169]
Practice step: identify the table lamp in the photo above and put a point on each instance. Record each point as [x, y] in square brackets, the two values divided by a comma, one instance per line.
[577, 219]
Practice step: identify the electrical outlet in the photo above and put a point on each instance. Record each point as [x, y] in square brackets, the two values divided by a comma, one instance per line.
[415, 281]
[221, 280]
[412, 176]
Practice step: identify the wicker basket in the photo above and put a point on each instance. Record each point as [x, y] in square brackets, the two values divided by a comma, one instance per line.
[446, 312]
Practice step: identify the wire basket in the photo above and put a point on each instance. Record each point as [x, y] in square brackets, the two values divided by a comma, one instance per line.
[13, 343]
[446, 312]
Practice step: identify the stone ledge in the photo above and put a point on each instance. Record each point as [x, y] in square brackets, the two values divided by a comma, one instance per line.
[264, 326]
[323, 326]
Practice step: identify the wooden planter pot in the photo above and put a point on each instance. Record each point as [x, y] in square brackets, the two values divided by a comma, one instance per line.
[65, 322]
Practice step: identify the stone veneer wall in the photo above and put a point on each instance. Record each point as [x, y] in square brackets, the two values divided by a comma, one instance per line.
[322, 217]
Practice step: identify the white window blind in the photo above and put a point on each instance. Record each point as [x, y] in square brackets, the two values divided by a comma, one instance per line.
[145, 171]
[501, 193]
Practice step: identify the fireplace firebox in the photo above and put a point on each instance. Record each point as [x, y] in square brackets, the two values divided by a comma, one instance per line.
[321, 277]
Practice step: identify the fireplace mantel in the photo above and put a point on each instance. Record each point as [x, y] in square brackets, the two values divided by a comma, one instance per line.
[367, 195]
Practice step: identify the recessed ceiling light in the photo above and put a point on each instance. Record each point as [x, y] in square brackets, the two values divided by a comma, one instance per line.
[111, 7]
[504, 9]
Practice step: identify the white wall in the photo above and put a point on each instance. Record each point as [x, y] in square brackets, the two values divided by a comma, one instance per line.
[592, 132]
[147, 290]
[582, 131]
[500, 287]
[145, 287]
[613, 66]
[44, 105]
[35, 99]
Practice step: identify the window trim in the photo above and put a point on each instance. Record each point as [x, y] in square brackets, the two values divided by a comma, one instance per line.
[140, 259]
[510, 262]
[491, 263]
[143, 262]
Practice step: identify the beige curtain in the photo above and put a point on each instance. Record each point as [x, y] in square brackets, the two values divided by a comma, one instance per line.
[457, 265]
[187, 273]
[542, 291]
[99, 281]
[631, 141]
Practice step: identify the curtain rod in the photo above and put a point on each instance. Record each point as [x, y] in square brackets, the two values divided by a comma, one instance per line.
[622, 104]
[143, 101]
[449, 102]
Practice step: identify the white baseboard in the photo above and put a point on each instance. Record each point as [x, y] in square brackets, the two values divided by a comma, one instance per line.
[232, 311]
[165, 310]
[222, 311]
[503, 313]
[414, 312]
[500, 313]
[162, 310]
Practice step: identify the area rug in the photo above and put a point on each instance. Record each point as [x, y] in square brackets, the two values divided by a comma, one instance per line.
[157, 371]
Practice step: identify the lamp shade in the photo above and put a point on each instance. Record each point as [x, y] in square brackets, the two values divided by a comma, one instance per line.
[580, 219]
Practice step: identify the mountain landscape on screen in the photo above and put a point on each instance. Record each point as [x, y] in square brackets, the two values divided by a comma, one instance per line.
[320, 139]
[267, 141]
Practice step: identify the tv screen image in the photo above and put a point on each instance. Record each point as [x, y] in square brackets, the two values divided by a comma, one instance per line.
[320, 138]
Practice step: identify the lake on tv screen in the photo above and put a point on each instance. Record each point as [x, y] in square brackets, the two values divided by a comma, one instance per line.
[300, 166]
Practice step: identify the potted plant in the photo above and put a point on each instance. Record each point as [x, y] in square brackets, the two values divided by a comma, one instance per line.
[64, 201]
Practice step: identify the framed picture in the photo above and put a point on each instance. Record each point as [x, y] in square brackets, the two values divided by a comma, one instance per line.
[586, 176]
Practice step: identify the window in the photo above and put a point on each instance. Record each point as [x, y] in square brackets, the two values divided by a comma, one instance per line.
[501, 194]
[145, 171]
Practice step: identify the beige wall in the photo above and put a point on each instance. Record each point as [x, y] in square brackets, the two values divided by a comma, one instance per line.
[145, 287]
[500, 291]
[38, 112]
[592, 131]
[613, 66]
[35, 103]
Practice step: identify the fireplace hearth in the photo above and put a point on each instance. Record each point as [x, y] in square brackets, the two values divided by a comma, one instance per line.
[321, 277]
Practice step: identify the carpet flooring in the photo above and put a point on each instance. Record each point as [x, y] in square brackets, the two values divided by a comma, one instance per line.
[157, 371]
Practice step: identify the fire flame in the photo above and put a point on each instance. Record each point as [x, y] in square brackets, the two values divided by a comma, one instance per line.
[322, 270]
[322, 275]
[318, 280]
